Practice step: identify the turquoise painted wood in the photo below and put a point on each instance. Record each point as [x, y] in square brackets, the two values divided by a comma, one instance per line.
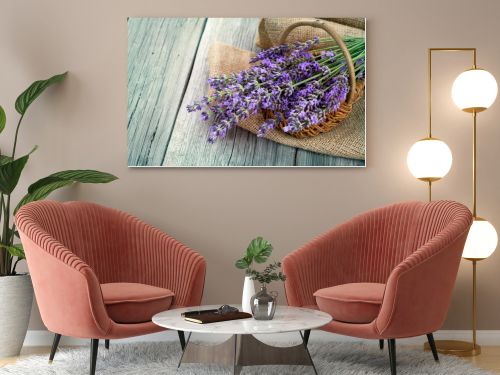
[167, 70]
[161, 51]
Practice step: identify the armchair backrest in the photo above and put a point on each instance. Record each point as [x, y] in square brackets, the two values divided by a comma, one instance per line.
[386, 236]
[380, 241]
[92, 232]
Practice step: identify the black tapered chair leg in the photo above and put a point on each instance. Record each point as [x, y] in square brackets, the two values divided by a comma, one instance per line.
[55, 344]
[106, 344]
[307, 333]
[432, 344]
[392, 355]
[182, 339]
[381, 344]
[94, 346]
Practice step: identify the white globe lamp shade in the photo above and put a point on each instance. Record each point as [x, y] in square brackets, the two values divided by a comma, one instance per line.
[481, 241]
[474, 90]
[429, 159]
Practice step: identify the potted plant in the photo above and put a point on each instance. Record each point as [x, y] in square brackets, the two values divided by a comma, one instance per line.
[16, 291]
[258, 251]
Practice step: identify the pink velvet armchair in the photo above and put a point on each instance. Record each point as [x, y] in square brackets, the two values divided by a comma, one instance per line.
[99, 273]
[385, 274]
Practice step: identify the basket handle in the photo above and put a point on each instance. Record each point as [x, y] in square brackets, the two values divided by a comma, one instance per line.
[319, 24]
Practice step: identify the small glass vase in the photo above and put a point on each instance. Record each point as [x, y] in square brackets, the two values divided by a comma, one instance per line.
[263, 304]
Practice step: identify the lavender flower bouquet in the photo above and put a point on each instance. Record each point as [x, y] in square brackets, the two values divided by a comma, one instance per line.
[301, 83]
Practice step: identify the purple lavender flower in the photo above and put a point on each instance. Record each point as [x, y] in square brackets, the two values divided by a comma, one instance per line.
[359, 66]
[297, 85]
[328, 55]
[265, 127]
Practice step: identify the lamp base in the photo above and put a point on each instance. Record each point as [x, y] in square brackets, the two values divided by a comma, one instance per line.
[456, 348]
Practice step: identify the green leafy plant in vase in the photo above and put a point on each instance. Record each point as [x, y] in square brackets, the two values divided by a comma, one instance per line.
[16, 291]
[262, 305]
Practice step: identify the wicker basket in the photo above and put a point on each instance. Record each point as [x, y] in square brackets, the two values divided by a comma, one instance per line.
[355, 90]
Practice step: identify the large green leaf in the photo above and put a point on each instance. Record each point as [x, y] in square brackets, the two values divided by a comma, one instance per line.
[42, 193]
[10, 172]
[3, 119]
[4, 159]
[31, 93]
[242, 263]
[259, 250]
[43, 187]
[15, 250]
[86, 176]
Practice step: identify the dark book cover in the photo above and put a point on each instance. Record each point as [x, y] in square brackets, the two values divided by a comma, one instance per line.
[213, 317]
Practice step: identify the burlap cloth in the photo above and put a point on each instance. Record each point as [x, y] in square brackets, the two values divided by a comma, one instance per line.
[270, 30]
[346, 140]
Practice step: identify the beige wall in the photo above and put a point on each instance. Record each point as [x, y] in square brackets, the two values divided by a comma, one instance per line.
[82, 124]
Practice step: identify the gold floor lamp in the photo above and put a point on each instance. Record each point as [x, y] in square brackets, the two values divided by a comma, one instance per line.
[430, 159]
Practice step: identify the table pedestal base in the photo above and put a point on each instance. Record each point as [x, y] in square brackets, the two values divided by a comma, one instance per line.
[246, 350]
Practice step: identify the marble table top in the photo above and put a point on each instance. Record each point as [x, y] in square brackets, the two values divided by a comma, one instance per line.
[286, 319]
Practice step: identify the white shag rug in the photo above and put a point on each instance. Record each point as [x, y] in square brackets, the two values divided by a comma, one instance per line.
[154, 358]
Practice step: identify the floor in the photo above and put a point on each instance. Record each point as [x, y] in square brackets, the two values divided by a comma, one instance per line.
[488, 360]
[160, 130]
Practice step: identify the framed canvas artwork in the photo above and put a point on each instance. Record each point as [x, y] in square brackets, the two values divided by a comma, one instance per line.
[246, 92]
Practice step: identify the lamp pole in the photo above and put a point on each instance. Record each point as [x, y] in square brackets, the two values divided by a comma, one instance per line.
[455, 347]
[429, 96]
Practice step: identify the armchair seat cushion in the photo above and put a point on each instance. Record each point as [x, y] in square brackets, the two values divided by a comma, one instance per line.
[135, 303]
[351, 303]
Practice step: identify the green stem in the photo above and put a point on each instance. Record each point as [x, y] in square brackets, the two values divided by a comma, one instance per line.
[337, 47]
[6, 223]
[15, 137]
[3, 252]
[306, 80]
[3, 265]
[358, 56]
[13, 271]
[345, 39]
[6, 220]
[355, 54]
[6, 237]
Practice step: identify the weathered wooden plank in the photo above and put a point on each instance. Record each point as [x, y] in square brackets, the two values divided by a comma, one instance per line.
[188, 144]
[307, 158]
[160, 55]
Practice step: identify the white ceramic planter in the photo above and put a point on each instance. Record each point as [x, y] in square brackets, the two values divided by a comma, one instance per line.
[248, 292]
[16, 298]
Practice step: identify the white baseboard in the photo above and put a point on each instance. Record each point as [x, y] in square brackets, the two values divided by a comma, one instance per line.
[484, 337]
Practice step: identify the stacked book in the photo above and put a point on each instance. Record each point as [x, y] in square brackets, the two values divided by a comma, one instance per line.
[213, 316]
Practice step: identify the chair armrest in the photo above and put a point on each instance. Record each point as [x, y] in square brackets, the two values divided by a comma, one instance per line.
[419, 289]
[66, 289]
[165, 262]
[321, 263]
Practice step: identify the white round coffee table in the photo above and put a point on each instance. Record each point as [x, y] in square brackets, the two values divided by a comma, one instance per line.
[242, 348]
